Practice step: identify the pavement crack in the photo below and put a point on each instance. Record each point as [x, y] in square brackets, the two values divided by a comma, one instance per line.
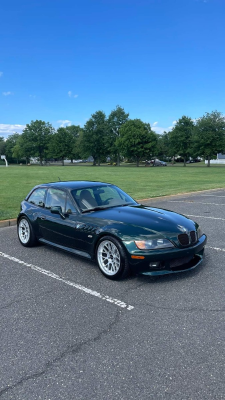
[72, 349]
[20, 300]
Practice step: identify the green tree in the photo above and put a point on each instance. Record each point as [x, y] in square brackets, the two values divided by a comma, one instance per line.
[76, 132]
[2, 146]
[61, 144]
[37, 134]
[24, 147]
[210, 135]
[10, 144]
[17, 152]
[116, 119]
[137, 140]
[180, 138]
[163, 146]
[95, 136]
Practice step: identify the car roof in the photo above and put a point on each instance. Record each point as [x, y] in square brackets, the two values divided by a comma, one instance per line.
[73, 184]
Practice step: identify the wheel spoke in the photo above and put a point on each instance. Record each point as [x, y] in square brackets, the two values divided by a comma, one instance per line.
[108, 257]
[24, 231]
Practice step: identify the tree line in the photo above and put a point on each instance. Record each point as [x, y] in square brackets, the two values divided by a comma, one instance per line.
[117, 136]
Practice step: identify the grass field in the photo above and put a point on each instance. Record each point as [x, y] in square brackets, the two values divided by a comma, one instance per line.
[140, 183]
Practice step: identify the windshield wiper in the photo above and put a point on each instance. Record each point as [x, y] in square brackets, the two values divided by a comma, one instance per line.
[124, 205]
[94, 209]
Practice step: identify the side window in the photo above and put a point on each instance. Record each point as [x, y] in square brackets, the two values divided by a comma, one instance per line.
[37, 197]
[56, 197]
[70, 208]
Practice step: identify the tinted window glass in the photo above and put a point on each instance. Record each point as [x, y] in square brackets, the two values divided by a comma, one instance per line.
[78, 192]
[70, 208]
[37, 197]
[109, 192]
[107, 196]
[56, 197]
[85, 198]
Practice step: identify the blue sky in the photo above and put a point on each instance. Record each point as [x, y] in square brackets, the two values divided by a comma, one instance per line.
[62, 60]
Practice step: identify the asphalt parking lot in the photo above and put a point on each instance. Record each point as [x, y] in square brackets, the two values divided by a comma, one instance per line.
[69, 333]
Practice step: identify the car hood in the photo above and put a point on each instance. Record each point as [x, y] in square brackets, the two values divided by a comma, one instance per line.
[151, 220]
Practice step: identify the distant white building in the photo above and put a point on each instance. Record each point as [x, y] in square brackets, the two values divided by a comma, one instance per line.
[219, 160]
[221, 156]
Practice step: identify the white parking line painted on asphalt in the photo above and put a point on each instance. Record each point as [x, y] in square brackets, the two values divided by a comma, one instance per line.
[117, 302]
[215, 248]
[203, 216]
[194, 202]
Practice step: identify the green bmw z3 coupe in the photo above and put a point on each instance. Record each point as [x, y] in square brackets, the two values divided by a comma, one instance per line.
[99, 221]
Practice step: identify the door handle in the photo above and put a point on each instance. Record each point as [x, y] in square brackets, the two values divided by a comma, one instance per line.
[43, 217]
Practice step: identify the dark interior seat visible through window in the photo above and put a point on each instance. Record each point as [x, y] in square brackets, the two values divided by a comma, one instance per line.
[87, 200]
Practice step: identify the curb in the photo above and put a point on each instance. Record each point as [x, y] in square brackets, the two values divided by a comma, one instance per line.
[7, 222]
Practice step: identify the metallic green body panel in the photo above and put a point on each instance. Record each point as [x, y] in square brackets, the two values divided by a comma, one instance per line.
[80, 232]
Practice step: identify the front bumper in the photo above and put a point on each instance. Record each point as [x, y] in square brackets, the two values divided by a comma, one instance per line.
[168, 261]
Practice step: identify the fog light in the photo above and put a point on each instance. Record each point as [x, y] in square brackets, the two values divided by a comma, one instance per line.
[155, 264]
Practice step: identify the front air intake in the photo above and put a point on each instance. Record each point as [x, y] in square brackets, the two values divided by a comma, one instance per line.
[184, 239]
[193, 237]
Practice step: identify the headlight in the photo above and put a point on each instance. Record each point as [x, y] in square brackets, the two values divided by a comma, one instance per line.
[199, 232]
[153, 244]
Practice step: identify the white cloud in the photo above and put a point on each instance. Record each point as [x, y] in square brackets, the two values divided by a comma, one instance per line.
[7, 93]
[1, 73]
[64, 122]
[7, 129]
[70, 94]
[160, 130]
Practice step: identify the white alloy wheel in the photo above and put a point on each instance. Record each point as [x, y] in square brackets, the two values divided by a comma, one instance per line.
[109, 259]
[24, 231]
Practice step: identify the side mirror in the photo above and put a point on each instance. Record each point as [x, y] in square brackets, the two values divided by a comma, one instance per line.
[57, 210]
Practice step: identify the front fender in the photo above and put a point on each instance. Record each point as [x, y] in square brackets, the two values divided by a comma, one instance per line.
[122, 232]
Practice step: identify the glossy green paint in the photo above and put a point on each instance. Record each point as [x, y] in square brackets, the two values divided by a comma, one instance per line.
[80, 232]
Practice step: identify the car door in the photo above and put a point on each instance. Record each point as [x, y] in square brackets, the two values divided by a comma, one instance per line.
[84, 232]
[72, 230]
[85, 227]
[56, 228]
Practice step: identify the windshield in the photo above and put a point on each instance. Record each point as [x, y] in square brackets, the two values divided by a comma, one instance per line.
[97, 197]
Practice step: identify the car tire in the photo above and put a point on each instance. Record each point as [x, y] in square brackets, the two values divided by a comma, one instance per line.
[26, 233]
[112, 259]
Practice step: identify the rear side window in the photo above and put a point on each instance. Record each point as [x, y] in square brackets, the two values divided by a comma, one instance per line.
[37, 197]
